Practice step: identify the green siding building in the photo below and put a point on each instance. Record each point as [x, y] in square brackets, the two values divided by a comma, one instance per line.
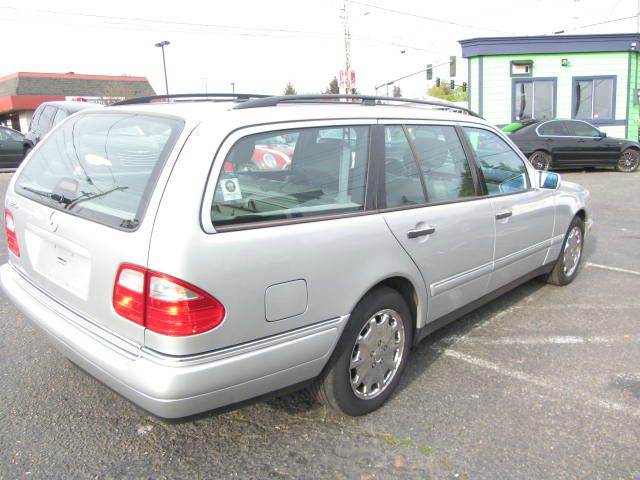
[590, 77]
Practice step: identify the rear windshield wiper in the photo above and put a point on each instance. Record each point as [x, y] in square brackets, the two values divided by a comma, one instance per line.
[56, 197]
[92, 196]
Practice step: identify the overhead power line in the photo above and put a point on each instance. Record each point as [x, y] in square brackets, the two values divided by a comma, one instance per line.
[596, 24]
[423, 17]
[152, 24]
[163, 22]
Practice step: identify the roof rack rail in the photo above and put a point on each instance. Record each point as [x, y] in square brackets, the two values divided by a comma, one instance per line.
[189, 96]
[363, 100]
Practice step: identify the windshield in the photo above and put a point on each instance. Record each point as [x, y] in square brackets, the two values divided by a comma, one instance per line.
[102, 167]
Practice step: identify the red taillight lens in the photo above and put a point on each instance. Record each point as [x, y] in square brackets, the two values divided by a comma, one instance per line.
[129, 292]
[177, 308]
[164, 304]
[10, 230]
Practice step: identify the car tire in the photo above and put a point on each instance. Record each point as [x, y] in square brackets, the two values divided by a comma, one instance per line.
[26, 151]
[540, 160]
[629, 161]
[381, 314]
[567, 266]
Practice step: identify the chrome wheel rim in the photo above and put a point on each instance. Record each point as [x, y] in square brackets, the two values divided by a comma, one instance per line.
[572, 251]
[539, 161]
[629, 161]
[377, 354]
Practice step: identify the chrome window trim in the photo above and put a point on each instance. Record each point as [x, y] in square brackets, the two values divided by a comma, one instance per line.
[565, 136]
[230, 140]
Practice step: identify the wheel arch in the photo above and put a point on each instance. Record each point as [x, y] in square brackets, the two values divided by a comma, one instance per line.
[409, 292]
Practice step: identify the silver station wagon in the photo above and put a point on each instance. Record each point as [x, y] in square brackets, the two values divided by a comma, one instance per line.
[194, 252]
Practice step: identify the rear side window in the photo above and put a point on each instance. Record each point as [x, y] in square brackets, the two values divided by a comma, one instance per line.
[292, 174]
[503, 170]
[553, 129]
[102, 167]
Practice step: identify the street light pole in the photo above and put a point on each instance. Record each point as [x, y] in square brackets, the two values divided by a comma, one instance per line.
[233, 88]
[163, 44]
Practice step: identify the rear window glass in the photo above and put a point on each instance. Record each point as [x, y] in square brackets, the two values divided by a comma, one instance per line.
[102, 167]
[292, 174]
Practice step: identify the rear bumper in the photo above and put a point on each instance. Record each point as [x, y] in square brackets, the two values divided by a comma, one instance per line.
[173, 387]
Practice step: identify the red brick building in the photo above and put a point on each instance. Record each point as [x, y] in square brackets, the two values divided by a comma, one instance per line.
[22, 92]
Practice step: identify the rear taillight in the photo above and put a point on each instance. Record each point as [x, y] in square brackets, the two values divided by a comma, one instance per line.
[10, 230]
[164, 304]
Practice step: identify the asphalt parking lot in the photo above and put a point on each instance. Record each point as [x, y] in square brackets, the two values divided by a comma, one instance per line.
[541, 383]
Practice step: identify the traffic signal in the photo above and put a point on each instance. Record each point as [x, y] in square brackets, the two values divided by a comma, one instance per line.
[452, 66]
[452, 85]
[429, 71]
[464, 86]
[438, 82]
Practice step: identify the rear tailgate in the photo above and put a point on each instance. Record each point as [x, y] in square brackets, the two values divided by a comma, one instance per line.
[79, 205]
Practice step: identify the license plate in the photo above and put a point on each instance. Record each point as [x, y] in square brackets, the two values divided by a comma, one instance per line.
[60, 262]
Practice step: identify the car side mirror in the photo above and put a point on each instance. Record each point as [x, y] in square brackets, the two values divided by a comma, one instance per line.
[603, 134]
[548, 180]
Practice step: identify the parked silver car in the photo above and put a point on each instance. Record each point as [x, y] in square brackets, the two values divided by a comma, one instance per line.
[162, 258]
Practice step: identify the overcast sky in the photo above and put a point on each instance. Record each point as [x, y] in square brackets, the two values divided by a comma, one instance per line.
[261, 45]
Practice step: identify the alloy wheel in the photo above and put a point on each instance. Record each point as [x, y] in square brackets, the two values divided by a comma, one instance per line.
[572, 251]
[540, 161]
[629, 161]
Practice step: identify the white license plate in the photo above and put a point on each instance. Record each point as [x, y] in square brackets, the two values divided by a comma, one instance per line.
[60, 263]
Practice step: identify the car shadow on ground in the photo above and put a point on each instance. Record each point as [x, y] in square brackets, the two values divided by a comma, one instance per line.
[427, 352]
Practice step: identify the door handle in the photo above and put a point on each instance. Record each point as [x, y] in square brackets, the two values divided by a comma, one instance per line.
[421, 232]
[503, 215]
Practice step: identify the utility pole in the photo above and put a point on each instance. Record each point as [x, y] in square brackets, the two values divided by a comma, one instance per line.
[347, 47]
[638, 18]
[233, 88]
